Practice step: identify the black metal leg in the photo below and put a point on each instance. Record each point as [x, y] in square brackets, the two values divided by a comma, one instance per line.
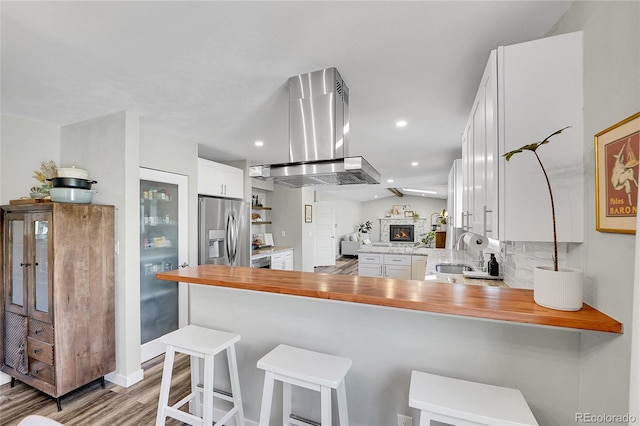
[102, 383]
[58, 403]
[13, 381]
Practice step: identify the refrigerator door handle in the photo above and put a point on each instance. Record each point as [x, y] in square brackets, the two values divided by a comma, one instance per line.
[232, 239]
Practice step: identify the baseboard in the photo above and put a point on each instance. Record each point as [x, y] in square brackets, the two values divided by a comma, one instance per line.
[125, 381]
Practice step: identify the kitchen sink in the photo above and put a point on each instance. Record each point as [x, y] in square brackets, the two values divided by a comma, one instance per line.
[452, 268]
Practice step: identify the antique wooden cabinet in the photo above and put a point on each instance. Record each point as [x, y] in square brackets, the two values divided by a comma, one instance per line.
[57, 322]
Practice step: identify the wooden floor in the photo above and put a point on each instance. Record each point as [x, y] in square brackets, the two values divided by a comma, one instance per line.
[92, 405]
[344, 266]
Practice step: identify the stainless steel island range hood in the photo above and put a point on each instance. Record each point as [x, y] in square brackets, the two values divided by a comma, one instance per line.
[318, 136]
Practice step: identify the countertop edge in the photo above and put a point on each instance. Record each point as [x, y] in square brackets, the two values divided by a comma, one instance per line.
[492, 303]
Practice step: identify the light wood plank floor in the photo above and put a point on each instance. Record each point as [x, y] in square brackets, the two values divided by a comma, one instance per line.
[92, 405]
[344, 266]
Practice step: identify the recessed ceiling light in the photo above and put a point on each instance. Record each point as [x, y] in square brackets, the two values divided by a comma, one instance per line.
[415, 163]
[258, 143]
[389, 180]
[421, 191]
[401, 123]
[375, 196]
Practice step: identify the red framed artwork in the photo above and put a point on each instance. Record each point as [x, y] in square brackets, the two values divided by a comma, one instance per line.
[617, 160]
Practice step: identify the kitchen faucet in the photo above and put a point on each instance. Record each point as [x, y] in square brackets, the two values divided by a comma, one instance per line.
[480, 260]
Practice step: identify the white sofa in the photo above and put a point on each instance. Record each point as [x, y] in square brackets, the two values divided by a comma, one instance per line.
[351, 243]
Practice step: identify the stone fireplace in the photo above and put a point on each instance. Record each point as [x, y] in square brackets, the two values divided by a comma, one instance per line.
[419, 226]
[401, 233]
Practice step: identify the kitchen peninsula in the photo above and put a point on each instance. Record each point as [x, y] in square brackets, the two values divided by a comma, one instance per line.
[389, 327]
[502, 304]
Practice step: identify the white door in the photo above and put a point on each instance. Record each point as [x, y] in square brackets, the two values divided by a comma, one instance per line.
[164, 244]
[325, 244]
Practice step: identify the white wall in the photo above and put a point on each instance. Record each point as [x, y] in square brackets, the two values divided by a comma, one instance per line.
[24, 144]
[287, 217]
[172, 154]
[611, 93]
[375, 209]
[108, 147]
[347, 214]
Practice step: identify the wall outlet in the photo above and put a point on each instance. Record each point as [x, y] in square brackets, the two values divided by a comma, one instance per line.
[283, 234]
[405, 420]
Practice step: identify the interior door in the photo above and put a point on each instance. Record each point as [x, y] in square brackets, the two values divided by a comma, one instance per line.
[325, 245]
[164, 228]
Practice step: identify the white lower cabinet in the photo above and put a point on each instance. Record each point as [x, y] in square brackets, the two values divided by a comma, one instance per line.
[398, 266]
[282, 260]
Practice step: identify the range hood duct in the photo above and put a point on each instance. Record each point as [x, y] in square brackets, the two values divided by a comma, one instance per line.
[318, 136]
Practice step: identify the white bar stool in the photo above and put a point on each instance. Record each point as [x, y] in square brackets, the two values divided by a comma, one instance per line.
[200, 342]
[459, 402]
[311, 370]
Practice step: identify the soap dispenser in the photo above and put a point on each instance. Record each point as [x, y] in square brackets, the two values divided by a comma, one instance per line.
[492, 267]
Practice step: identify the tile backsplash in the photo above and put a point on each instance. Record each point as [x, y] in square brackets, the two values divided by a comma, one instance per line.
[520, 258]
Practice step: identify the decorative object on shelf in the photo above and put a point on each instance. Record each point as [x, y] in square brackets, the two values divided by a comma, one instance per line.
[46, 171]
[617, 152]
[555, 288]
[365, 227]
[398, 210]
[408, 213]
[307, 213]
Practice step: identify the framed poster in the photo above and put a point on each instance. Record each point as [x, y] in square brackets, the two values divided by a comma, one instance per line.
[307, 213]
[617, 152]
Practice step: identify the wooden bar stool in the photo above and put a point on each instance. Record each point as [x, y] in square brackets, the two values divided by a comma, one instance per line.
[199, 342]
[459, 402]
[311, 370]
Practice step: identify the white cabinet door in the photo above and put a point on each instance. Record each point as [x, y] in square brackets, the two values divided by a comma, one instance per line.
[454, 199]
[282, 260]
[402, 272]
[370, 264]
[522, 99]
[540, 92]
[479, 150]
[369, 269]
[418, 267]
[219, 180]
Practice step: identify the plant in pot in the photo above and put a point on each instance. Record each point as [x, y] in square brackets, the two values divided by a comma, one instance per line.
[556, 288]
[365, 227]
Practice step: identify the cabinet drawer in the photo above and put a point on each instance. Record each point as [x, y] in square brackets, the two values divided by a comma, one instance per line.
[41, 370]
[41, 331]
[40, 350]
[397, 259]
[370, 258]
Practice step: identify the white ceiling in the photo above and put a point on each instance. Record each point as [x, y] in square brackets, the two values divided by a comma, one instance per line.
[216, 72]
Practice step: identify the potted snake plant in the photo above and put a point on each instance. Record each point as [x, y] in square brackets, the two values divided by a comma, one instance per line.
[553, 287]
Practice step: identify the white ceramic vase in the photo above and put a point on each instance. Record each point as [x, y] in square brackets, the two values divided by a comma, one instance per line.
[561, 290]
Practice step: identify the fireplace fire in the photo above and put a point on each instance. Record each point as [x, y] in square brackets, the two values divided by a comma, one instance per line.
[401, 233]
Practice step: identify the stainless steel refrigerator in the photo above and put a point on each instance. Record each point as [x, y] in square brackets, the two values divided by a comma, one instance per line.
[224, 236]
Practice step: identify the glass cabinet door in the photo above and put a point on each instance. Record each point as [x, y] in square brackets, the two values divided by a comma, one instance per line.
[41, 293]
[15, 259]
[163, 247]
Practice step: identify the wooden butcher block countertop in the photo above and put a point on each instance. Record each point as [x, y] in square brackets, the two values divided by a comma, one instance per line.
[493, 303]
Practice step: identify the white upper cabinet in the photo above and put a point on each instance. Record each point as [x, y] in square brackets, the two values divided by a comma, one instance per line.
[527, 92]
[454, 199]
[480, 147]
[219, 180]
